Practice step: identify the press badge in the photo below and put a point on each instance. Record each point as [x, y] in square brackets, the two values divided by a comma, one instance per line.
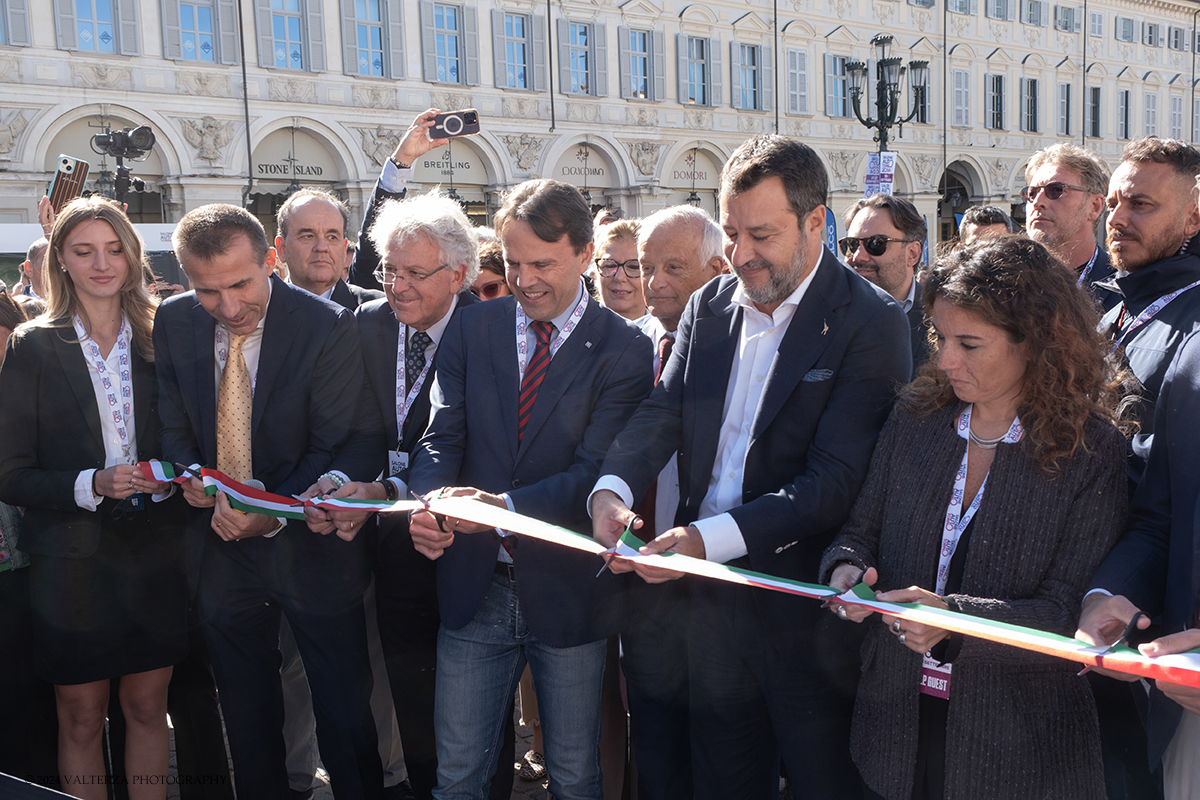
[396, 463]
[935, 678]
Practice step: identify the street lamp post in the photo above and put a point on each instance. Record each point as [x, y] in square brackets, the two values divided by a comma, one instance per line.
[888, 72]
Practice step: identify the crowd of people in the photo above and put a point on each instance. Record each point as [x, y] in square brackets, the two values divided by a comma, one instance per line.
[726, 390]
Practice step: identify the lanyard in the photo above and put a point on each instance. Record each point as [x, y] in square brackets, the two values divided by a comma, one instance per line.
[120, 400]
[955, 524]
[523, 324]
[1149, 313]
[1087, 270]
[223, 356]
[404, 403]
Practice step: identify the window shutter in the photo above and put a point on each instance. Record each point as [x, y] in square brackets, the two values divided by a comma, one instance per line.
[538, 59]
[499, 56]
[228, 51]
[428, 43]
[172, 38]
[127, 36]
[394, 46]
[1077, 19]
[870, 95]
[962, 108]
[831, 103]
[626, 71]
[17, 23]
[681, 66]
[735, 74]
[1044, 13]
[716, 74]
[989, 99]
[797, 82]
[766, 78]
[974, 7]
[471, 44]
[266, 42]
[1158, 35]
[349, 39]
[658, 66]
[564, 55]
[1022, 121]
[600, 59]
[1010, 9]
[315, 31]
[64, 18]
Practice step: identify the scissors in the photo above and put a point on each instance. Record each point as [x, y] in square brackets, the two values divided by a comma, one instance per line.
[608, 559]
[1129, 629]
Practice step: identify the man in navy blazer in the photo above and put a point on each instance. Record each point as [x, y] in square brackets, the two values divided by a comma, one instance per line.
[1154, 569]
[303, 359]
[779, 382]
[529, 392]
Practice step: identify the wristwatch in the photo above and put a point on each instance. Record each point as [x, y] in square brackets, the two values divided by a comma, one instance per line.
[390, 491]
[400, 164]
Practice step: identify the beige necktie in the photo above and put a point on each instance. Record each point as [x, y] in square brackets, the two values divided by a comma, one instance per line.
[234, 403]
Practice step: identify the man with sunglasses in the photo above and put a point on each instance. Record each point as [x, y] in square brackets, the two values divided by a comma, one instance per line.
[779, 382]
[1063, 201]
[885, 236]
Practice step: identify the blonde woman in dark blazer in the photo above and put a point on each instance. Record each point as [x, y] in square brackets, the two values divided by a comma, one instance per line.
[78, 400]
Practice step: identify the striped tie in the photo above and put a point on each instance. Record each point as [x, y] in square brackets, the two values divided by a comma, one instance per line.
[535, 373]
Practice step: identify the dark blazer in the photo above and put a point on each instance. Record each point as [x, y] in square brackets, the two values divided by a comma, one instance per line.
[366, 257]
[918, 331]
[827, 395]
[1155, 564]
[308, 388]
[592, 386]
[50, 432]
[350, 297]
[1099, 280]
[1020, 724]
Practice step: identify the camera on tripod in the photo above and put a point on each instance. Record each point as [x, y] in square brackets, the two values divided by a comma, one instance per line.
[134, 144]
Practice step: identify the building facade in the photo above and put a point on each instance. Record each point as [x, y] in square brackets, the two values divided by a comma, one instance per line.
[639, 103]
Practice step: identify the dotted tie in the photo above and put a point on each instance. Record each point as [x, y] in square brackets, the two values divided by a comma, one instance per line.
[414, 358]
[234, 404]
[535, 373]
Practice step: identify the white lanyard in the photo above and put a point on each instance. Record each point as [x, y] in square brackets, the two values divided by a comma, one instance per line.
[523, 324]
[1087, 270]
[403, 403]
[955, 524]
[120, 401]
[223, 357]
[1149, 313]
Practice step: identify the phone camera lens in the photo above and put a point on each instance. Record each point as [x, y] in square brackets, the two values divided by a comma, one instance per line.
[471, 118]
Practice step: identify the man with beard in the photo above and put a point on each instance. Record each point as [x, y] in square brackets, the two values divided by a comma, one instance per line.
[778, 384]
[1152, 217]
[1063, 200]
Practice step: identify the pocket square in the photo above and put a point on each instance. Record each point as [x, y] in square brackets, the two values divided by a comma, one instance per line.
[816, 375]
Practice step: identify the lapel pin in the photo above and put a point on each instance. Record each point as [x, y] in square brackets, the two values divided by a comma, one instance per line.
[825, 328]
[587, 344]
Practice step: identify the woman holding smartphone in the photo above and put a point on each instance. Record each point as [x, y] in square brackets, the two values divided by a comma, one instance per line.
[78, 411]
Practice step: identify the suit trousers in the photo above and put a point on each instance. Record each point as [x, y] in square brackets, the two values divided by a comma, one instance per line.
[751, 705]
[240, 610]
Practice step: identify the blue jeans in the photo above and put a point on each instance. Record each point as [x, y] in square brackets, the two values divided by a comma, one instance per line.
[478, 669]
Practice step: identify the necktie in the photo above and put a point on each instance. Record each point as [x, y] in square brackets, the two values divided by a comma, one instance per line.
[414, 357]
[645, 509]
[234, 403]
[535, 373]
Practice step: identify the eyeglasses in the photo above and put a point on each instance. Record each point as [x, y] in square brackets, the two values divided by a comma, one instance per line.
[489, 291]
[874, 245]
[608, 267]
[1053, 190]
[388, 277]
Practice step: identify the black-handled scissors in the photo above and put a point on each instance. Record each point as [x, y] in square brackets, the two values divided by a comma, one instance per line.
[1129, 629]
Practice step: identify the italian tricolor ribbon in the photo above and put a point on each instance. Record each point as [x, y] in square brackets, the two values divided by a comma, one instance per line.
[1182, 668]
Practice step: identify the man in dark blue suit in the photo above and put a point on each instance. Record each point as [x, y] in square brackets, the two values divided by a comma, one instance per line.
[401, 336]
[266, 378]
[528, 395]
[1154, 569]
[779, 382]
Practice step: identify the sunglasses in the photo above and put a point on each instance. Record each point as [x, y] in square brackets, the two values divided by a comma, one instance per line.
[874, 245]
[489, 291]
[1053, 190]
[608, 267]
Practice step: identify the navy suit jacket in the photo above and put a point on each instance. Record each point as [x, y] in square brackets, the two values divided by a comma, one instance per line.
[918, 331]
[50, 432]
[305, 400]
[829, 390]
[591, 388]
[1154, 564]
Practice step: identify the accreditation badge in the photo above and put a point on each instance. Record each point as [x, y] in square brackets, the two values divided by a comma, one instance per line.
[397, 462]
[935, 678]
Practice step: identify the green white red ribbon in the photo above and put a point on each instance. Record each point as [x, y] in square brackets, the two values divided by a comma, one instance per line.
[1182, 668]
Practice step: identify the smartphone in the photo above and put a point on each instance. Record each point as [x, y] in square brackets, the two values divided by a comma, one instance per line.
[68, 182]
[455, 123]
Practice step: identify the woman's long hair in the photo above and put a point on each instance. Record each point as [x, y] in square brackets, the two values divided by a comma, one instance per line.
[1014, 283]
[62, 303]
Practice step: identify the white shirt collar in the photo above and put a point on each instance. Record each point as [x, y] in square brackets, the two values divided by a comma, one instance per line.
[789, 303]
[438, 328]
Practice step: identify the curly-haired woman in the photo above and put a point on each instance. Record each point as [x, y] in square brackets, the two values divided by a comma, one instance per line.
[1018, 401]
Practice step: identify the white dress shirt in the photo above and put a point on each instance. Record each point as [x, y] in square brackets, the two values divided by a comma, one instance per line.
[392, 178]
[114, 454]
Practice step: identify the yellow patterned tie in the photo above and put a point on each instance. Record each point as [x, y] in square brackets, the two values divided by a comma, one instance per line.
[234, 404]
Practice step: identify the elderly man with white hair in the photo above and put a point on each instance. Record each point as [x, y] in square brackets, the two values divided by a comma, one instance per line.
[680, 249]
[428, 260]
